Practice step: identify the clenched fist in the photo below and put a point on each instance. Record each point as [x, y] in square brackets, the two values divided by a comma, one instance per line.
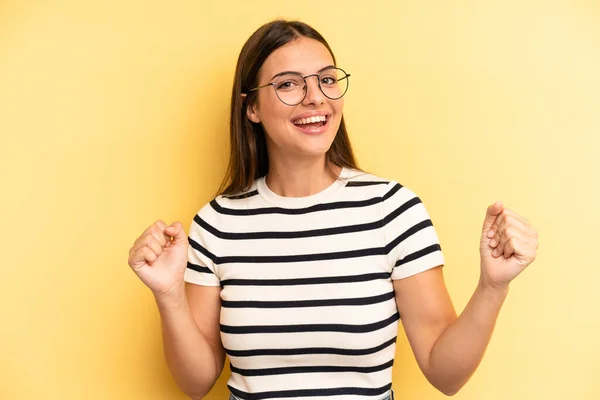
[159, 257]
[508, 245]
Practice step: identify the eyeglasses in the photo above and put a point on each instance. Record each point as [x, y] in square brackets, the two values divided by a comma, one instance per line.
[290, 87]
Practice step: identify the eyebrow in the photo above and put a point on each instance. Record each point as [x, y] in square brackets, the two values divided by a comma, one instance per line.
[299, 73]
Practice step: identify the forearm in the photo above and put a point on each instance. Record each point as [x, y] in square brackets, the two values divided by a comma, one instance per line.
[188, 354]
[460, 348]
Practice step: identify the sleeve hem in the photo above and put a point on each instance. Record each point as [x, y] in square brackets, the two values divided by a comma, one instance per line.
[423, 264]
[201, 279]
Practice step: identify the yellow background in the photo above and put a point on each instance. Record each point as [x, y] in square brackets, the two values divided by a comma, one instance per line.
[114, 114]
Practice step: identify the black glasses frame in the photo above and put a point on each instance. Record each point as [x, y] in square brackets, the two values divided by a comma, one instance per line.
[273, 84]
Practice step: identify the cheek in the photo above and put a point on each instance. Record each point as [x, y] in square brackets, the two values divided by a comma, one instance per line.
[338, 106]
[273, 113]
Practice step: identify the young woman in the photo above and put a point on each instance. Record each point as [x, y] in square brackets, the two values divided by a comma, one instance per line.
[302, 267]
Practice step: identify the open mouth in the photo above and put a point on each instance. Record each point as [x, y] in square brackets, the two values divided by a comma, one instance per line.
[312, 122]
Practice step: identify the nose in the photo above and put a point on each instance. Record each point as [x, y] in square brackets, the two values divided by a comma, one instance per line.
[314, 95]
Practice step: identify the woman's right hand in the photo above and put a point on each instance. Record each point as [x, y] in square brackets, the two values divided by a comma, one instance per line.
[158, 260]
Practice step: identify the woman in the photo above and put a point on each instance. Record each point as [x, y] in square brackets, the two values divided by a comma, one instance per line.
[302, 267]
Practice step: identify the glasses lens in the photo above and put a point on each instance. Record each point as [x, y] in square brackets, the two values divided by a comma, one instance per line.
[290, 88]
[334, 82]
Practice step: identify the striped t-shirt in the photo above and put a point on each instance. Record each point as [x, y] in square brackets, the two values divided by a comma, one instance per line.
[308, 306]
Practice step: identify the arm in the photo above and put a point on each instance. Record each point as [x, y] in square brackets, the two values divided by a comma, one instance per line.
[191, 337]
[448, 349]
[189, 313]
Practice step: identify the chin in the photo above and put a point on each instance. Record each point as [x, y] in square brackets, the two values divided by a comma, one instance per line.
[316, 151]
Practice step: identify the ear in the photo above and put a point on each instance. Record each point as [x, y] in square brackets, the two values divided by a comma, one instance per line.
[252, 113]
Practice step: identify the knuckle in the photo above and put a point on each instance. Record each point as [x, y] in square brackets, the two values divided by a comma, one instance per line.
[150, 255]
[156, 246]
[146, 239]
[156, 232]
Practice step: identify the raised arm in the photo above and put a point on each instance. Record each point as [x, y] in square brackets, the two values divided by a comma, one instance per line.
[189, 313]
[449, 349]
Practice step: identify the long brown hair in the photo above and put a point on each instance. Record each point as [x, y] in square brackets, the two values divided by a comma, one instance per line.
[248, 148]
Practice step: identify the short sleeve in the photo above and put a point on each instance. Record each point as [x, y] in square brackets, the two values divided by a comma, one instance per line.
[412, 244]
[200, 267]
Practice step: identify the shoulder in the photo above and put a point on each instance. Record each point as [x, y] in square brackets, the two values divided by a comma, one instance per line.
[356, 177]
[389, 190]
[225, 206]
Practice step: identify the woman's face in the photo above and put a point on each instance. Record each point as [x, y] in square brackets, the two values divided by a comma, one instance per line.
[287, 133]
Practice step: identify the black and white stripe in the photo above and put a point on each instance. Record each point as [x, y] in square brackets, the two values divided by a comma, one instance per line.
[308, 304]
[348, 391]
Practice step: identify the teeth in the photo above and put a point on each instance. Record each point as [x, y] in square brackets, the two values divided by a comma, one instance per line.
[310, 120]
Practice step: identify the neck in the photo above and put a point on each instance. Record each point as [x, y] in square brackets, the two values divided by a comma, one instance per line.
[300, 177]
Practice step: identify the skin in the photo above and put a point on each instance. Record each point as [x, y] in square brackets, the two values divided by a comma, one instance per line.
[447, 347]
[296, 160]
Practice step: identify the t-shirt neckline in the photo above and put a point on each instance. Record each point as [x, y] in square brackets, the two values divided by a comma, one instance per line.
[305, 201]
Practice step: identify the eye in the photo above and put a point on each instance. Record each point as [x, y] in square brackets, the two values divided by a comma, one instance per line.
[286, 85]
[328, 80]
[289, 82]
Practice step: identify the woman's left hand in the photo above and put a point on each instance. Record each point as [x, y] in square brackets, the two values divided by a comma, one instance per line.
[508, 245]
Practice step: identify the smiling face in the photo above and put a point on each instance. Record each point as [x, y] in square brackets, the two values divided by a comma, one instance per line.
[289, 131]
